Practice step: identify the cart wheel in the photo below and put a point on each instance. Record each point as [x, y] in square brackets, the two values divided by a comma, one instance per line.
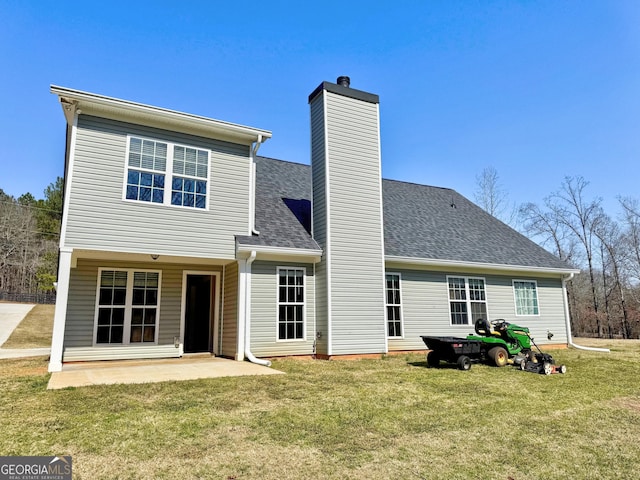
[433, 359]
[562, 369]
[547, 368]
[464, 362]
[499, 356]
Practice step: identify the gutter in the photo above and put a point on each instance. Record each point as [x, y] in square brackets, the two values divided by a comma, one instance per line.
[432, 262]
[277, 253]
[247, 316]
[568, 321]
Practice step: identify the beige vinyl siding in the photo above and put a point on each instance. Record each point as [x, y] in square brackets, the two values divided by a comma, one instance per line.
[425, 307]
[264, 311]
[230, 311]
[100, 219]
[319, 221]
[81, 305]
[355, 255]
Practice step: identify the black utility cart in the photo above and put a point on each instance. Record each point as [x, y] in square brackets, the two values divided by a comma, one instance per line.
[460, 351]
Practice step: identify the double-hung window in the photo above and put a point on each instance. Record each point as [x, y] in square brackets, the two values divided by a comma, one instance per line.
[291, 303]
[526, 297]
[467, 300]
[189, 183]
[393, 305]
[166, 173]
[127, 307]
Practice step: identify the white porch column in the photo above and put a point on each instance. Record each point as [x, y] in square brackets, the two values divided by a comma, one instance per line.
[59, 319]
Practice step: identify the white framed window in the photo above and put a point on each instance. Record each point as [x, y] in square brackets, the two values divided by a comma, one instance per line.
[291, 303]
[127, 307]
[393, 303]
[467, 299]
[525, 293]
[166, 173]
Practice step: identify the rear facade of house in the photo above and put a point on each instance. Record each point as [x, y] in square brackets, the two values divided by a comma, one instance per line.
[178, 238]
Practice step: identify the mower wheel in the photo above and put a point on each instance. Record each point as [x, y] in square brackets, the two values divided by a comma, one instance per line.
[547, 368]
[433, 359]
[499, 356]
[464, 362]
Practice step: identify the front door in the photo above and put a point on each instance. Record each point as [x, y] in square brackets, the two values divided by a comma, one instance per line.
[198, 314]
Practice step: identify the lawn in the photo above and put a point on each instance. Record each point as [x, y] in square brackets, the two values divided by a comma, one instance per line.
[365, 419]
[35, 329]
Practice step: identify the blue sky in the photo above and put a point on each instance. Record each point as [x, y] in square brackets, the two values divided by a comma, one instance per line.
[537, 90]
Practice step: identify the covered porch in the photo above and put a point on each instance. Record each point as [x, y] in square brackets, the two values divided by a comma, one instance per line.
[124, 306]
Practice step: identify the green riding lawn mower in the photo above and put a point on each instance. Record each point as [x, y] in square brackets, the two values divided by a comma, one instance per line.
[499, 342]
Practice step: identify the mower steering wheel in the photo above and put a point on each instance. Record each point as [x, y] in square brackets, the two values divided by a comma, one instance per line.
[498, 321]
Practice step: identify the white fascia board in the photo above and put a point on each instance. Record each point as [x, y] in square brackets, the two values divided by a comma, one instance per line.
[87, 100]
[280, 253]
[429, 262]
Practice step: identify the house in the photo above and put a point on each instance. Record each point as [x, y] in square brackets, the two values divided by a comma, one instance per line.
[178, 238]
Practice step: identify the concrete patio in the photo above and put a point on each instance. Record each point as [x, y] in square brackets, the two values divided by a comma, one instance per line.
[148, 371]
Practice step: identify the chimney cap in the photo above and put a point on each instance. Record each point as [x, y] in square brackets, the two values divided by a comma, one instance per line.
[344, 81]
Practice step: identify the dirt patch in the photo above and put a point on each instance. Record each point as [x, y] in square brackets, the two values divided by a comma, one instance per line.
[629, 403]
[23, 367]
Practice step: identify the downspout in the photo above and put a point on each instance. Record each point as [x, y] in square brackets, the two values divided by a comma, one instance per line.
[254, 152]
[568, 320]
[247, 313]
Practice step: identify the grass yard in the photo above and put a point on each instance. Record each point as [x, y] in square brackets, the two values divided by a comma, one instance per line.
[35, 329]
[369, 419]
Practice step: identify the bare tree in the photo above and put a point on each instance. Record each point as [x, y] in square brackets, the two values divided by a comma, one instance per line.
[543, 225]
[29, 232]
[492, 197]
[631, 219]
[581, 217]
[549, 230]
[613, 251]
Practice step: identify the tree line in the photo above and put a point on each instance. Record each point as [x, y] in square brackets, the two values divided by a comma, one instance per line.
[29, 240]
[604, 299]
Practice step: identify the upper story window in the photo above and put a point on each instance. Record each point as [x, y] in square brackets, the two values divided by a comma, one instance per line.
[467, 300]
[526, 296]
[153, 166]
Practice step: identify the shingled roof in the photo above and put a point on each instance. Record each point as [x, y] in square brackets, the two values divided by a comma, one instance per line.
[421, 222]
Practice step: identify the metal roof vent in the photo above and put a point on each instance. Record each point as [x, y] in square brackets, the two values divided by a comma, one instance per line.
[344, 81]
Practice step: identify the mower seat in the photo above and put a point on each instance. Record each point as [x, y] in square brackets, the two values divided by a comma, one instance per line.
[483, 328]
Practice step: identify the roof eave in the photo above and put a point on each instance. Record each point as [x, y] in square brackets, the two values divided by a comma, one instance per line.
[114, 107]
[431, 262]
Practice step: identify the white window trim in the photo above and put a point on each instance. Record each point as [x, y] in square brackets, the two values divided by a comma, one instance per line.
[468, 301]
[126, 335]
[386, 324]
[515, 299]
[168, 174]
[304, 306]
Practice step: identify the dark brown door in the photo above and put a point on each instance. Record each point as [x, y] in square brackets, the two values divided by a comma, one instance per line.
[197, 328]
